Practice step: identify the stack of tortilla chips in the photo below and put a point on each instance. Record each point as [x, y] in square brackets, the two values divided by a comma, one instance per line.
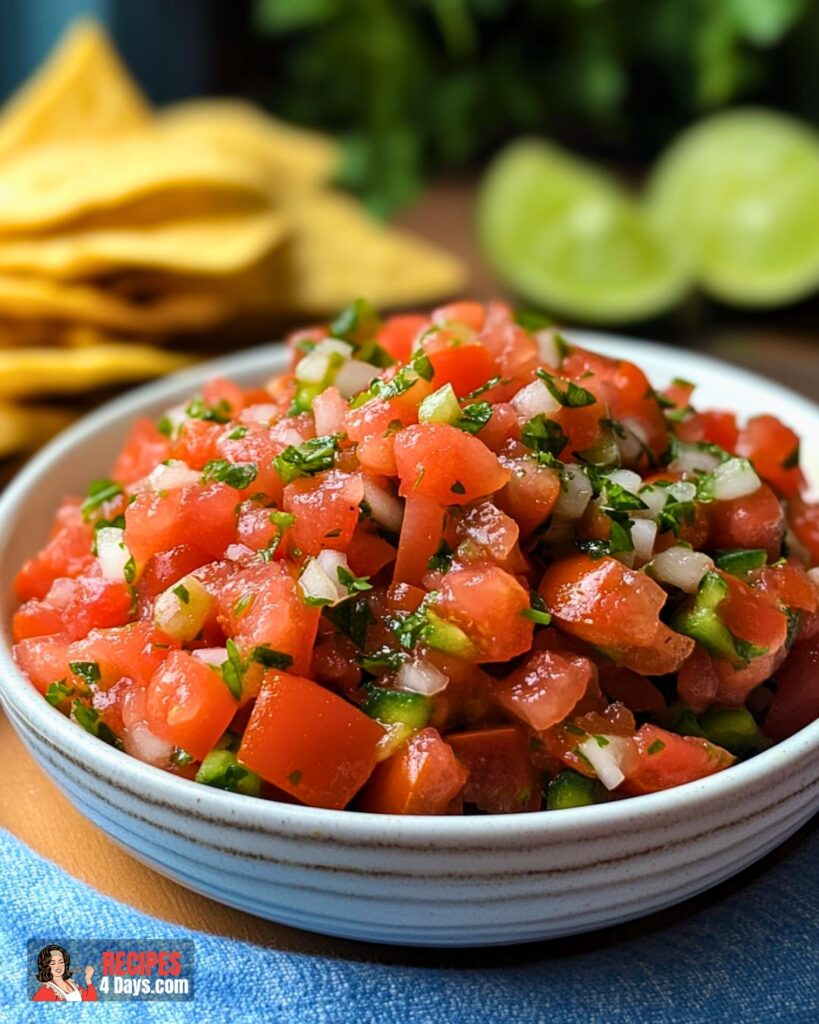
[123, 228]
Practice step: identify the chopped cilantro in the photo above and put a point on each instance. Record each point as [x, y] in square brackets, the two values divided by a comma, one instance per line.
[442, 559]
[474, 417]
[353, 618]
[531, 321]
[242, 604]
[233, 670]
[313, 456]
[237, 434]
[357, 323]
[573, 396]
[354, 584]
[89, 719]
[543, 435]
[537, 612]
[88, 671]
[295, 777]
[458, 488]
[58, 692]
[235, 474]
[384, 660]
[656, 747]
[486, 386]
[218, 413]
[165, 426]
[270, 658]
[182, 593]
[99, 492]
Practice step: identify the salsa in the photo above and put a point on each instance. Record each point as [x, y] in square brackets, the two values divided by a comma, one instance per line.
[446, 564]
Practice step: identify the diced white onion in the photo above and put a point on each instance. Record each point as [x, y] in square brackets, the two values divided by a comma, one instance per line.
[575, 493]
[328, 412]
[112, 553]
[735, 479]
[211, 655]
[262, 412]
[604, 760]
[239, 552]
[168, 477]
[633, 442]
[354, 376]
[386, 508]
[176, 416]
[334, 346]
[690, 459]
[548, 346]
[182, 609]
[681, 567]
[421, 676]
[141, 743]
[793, 545]
[643, 535]
[627, 479]
[319, 581]
[813, 576]
[535, 399]
[313, 368]
[655, 498]
[287, 435]
[682, 490]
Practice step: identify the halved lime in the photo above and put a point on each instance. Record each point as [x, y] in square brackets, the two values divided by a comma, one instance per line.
[568, 239]
[739, 195]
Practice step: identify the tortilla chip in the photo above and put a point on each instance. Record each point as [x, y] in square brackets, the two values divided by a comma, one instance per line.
[214, 246]
[293, 159]
[60, 183]
[24, 428]
[33, 298]
[38, 371]
[82, 91]
[337, 252]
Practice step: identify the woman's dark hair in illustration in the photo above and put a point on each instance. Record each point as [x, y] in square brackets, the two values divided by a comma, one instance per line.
[44, 962]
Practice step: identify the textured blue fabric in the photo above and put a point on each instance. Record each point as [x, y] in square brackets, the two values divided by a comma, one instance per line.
[746, 954]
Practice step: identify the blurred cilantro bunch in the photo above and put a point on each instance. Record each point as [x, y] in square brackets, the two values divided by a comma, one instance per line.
[417, 85]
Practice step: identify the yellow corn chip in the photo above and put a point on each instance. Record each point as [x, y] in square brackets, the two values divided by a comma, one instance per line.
[337, 252]
[173, 312]
[56, 184]
[292, 158]
[24, 428]
[82, 91]
[218, 245]
[36, 371]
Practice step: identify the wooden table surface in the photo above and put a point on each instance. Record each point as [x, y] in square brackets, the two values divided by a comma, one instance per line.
[780, 347]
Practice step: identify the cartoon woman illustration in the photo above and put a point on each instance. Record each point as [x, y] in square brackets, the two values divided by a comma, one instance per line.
[54, 971]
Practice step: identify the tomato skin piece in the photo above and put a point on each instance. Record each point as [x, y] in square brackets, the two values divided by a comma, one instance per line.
[144, 448]
[681, 759]
[398, 333]
[421, 533]
[601, 601]
[486, 602]
[755, 521]
[546, 688]
[796, 701]
[309, 742]
[423, 777]
[67, 553]
[770, 445]
[188, 704]
[501, 777]
[326, 508]
[803, 519]
[446, 464]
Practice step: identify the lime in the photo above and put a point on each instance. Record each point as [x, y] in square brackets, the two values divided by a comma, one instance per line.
[739, 195]
[568, 239]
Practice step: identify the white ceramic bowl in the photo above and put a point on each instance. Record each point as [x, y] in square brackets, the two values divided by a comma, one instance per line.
[422, 881]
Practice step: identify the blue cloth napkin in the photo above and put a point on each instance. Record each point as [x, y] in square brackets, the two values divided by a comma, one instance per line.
[746, 954]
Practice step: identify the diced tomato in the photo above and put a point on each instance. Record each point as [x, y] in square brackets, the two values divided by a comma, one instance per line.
[711, 426]
[515, 352]
[795, 703]
[259, 446]
[367, 552]
[755, 521]
[144, 448]
[803, 519]
[44, 659]
[487, 604]
[774, 450]
[156, 520]
[423, 777]
[546, 688]
[73, 607]
[197, 442]
[501, 778]
[421, 533]
[219, 393]
[581, 427]
[627, 687]
[398, 333]
[697, 681]
[446, 464]
[787, 584]
[487, 533]
[165, 568]
[276, 615]
[666, 760]
[67, 553]
[752, 618]
[309, 742]
[135, 650]
[503, 426]
[326, 508]
[465, 367]
[189, 704]
[470, 313]
[530, 493]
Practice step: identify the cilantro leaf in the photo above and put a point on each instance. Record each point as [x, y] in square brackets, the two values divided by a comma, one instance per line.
[99, 492]
[235, 474]
[313, 456]
[543, 435]
[572, 397]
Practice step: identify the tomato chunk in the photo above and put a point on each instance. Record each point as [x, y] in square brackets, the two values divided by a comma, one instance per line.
[309, 742]
[501, 778]
[774, 450]
[546, 688]
[423, 777]
[446, 464]
[666, 759]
